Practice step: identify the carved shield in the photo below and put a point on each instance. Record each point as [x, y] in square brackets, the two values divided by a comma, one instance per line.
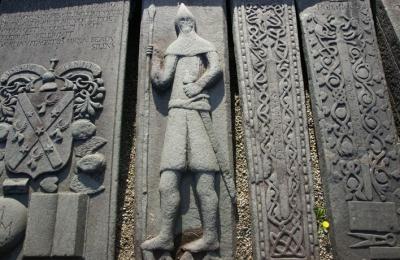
[40, 140]
[38, 110]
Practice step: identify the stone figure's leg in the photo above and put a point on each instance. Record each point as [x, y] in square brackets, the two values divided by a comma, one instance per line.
[170, 198]
[205, 189]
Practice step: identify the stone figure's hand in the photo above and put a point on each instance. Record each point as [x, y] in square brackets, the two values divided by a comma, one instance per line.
[149, 50]
[192, 89]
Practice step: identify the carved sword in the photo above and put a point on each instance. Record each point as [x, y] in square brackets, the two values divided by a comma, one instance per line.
[225, 172]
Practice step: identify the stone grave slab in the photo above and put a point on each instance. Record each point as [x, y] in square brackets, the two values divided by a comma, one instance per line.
[387, 14]
[61, 83]
[356, 135]
[184, 185]
[278, 152]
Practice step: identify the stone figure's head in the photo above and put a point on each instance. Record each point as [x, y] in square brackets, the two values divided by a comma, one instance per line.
[185, 21]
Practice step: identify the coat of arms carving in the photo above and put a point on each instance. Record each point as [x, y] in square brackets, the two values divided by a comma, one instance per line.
[43, 112]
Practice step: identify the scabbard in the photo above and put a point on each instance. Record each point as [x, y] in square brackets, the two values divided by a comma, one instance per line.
[226, 175]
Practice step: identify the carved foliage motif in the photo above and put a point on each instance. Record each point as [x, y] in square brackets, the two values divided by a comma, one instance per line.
[352, 105]
[336, 92]
[272, 96]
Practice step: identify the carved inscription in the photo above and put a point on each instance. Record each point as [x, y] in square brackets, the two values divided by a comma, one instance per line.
[60, 125]
[58, 27]
[277, 139]
[356, 126]
[335, 5]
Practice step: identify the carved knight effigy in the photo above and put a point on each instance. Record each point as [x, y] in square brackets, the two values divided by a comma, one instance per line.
[357, 140]
[47, 117]
[191, 67]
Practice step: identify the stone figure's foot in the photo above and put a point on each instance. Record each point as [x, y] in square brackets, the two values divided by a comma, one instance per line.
[158, 243]
[202, 244]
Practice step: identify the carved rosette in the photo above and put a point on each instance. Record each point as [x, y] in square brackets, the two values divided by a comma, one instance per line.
[277, 139]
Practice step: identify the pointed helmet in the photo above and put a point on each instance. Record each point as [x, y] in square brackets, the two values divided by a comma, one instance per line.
[184, 13]
[188, 43]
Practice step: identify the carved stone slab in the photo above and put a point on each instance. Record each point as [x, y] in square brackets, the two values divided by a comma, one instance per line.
[272, 94]
[183, 79]
[388, 32]
[61, 81]
[357, 139]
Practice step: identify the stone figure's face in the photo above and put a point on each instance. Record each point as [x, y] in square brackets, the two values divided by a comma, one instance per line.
[186, 24]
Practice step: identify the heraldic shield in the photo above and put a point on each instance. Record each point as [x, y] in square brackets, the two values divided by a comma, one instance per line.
[39, 106]
[40, 140]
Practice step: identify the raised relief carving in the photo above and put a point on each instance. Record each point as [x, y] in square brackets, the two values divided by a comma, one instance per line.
[191, 66]
[387, 29]
[44, 115]
[356, 125]
[274, 109]
[39, 105]
[13, 217]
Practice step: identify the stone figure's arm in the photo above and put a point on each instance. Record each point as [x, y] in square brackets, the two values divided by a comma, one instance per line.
[209, 77]
[212, 73]
[163, 73]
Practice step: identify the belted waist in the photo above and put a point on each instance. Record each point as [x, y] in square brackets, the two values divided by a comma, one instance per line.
[199, 102]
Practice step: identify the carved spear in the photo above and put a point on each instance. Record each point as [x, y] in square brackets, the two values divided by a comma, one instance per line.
[151, 10]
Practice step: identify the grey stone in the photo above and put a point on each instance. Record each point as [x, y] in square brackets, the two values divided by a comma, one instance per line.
[49, 184]
[69, 230]
[61, 232]
[89, 146]
[184, 153]
[4, 130]
[16, 186]
[385, 253]
[278, 151]
[41, 222]
[187, 256]
[373, 216]
[86, 184]
[92, 163]
[62, 67]
[83, 129]
[356, 135]
[13, 217]
[387, 14]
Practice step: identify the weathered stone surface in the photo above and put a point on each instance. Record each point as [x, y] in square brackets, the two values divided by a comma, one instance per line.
[4, 130]
[69, 230]
[184, 155]
[83, 129]
[13, 217]
[16, 186]
[41, 222]
[92, 163]
[49, 184]
[357, 140]
[61, 78]
[387, 14]
[385, 252]
[61, 232]
[272, 94]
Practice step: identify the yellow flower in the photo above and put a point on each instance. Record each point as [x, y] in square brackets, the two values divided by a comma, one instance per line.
[325, 224]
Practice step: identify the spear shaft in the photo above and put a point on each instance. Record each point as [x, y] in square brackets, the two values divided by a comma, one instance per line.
[151, 11]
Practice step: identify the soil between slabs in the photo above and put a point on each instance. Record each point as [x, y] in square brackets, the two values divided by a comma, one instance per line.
[126, 207]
